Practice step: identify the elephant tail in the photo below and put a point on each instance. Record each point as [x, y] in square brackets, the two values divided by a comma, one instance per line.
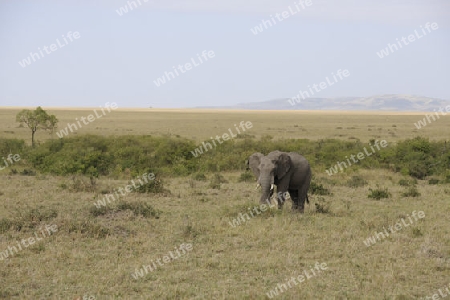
[307, 199]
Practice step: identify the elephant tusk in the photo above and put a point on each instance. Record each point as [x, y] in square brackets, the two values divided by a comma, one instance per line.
[271, 186]
[258, 186]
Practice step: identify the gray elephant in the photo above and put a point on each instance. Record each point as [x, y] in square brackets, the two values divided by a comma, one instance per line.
[289, 171]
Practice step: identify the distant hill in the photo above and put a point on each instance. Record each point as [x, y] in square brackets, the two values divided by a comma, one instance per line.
[400, 103]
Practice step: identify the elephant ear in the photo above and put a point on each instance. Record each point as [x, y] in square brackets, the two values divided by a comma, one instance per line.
[253, 163]
[283, 164]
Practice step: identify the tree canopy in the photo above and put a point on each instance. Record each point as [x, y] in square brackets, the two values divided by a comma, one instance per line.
[37, 119]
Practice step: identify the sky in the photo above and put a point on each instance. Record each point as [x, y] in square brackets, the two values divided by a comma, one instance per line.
[179, 53]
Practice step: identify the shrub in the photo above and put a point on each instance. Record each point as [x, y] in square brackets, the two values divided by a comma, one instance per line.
[417, 232]
[93, 156]
[216, 181]
[199, 176]
[88, 228]
[98, 155]
[83, 184]
[27, 172]
[246, 177]
[12, 146]
[318, 189]
[39, 214]
[103, 210]
[379, 193]
[322, 207]
[155, 186]
[433, 181]
[419, 169]
[418, 157]
[411, 192]
[356, 181]
[139, 208]
[5, 225]
[32, 217]
[447, 178]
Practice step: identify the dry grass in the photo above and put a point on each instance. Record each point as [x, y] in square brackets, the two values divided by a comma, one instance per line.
[95, 255]
[226, 263]
[200, 125]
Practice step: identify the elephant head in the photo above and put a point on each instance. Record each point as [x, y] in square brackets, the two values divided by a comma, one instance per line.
[269, 170]
[290, 172]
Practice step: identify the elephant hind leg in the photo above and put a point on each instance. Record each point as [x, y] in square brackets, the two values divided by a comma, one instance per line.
[303, 197]
[294, 197]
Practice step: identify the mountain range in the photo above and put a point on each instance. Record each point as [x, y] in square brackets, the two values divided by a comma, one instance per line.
[391, 102]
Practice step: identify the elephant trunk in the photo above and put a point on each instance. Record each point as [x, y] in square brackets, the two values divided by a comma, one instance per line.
[267, 189]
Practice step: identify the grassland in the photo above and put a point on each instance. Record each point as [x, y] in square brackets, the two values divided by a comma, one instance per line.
[95, 254]
[200, 125]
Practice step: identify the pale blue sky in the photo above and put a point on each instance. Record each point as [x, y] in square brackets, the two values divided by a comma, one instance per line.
[117, 58]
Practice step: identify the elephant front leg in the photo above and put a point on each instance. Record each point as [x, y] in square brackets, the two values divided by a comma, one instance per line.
[281, 198]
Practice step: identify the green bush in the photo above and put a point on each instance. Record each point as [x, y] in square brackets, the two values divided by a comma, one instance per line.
[216, 181]
[418, 168]
[5, 225]
[27, 172]
[246, 177]
[12, 146]
[30, 218]
[416, 232]
[379, 193]
[81, 184]
[322, 206]
[97, 155]
[447, 177]
[94, 156]
[418, 157]
[199, 176]
[155, 186]
[139, 208]
[318, 189]
[433, 181]
[39, 214]
[411, 192]
[103, 210]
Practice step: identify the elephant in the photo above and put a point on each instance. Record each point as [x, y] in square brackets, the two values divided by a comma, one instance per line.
[289, 171]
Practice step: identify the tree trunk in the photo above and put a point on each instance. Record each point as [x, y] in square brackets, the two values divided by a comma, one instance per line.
[32, 137]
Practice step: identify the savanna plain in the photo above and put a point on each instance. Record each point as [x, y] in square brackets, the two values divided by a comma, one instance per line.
[381, 226]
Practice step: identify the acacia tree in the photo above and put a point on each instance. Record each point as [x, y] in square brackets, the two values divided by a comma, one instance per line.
[37, 119]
